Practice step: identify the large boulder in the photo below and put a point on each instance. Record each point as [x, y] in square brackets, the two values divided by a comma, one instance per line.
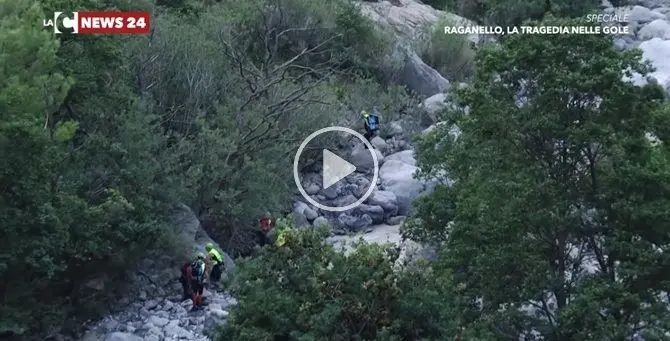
[405, 156]
[398, 177]
[299, 217]
[193, 235]
[419, 76]
[376, 213]
[657, 51]
[351, 223]
[379, 144]
[659, 28]
[384, 199]
[407, 19]
[432, 106]
[320, 222]
[362, 159]
[186, 222]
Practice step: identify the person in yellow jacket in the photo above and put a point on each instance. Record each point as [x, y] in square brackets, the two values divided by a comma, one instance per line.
[281, 229]
[216, 260]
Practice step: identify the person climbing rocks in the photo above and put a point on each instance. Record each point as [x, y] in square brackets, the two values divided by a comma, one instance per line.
[185, 280]
[217, 264]
[371, 124]
[198, 268]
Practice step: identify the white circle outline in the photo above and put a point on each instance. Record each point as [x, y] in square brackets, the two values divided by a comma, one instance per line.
[296, 174]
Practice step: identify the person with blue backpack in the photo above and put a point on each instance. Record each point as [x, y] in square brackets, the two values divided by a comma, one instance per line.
[198, 268]
[371, 125]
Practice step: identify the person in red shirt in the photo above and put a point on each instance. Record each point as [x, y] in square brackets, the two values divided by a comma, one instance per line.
[185, 279]
[265, 223]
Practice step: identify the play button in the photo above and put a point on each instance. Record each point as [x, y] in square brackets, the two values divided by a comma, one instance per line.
[334, 168]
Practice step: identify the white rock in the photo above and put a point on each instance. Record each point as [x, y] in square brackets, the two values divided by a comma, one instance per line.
[310, 214]
[157, 321]
[409, 20]
[434, 103]
[362, 159]
[398, 177]
[222, 314]
[395, 128]
[379, 144]
[642, 15]
[320, 221]
[118, 336]
[406, 156]
[312, 189]
[386, 199]
[658, 52]
[658, 28]
[174, 330]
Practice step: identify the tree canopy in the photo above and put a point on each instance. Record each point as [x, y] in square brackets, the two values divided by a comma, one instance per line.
[557, 218]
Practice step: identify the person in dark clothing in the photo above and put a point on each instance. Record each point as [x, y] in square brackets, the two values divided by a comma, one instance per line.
[266, 225]
[198, 268]
[371, 123]
[185, 280]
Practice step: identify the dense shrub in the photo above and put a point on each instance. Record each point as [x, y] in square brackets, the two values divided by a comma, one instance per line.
[307, 290]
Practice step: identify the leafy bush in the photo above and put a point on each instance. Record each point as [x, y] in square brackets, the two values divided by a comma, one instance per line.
[307, 290]
[451, 54]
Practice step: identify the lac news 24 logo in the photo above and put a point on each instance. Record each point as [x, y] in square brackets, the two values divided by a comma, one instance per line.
[107, 22]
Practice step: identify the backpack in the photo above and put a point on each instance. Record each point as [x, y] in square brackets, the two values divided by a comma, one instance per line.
[373, 122]
[197, 270]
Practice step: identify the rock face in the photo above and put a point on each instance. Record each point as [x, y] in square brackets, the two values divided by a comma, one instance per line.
[650, 31]
[409, 21]
[420, 77]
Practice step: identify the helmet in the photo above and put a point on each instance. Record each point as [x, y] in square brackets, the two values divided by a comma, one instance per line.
[200, 255]
[364, 113]
[209, 247]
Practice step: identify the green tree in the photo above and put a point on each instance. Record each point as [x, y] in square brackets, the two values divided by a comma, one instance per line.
[559, 207]
[307, 290]
[85, 172]
[29, 198]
